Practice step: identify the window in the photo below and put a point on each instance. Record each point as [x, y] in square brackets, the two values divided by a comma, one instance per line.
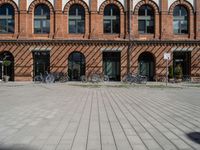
[6, 18]
[76, 19]
[180, 22]
[146, 20]
[42, 19]
[111, 19]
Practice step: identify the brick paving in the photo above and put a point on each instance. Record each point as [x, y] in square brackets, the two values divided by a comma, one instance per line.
[66, 117]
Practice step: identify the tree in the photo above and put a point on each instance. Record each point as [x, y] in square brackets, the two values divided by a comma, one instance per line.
[6, 63]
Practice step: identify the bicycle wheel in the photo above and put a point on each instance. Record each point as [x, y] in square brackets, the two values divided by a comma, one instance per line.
[64, 79]
[49, 78]
[83, 78]
[38, 79]
[106, 78]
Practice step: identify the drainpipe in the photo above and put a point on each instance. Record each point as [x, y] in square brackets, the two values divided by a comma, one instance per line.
[129, 36]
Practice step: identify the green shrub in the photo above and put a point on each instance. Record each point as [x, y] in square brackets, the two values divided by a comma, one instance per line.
[178, 71]
[171, 72]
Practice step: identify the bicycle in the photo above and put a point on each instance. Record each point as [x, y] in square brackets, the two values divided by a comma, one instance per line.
[61, 77]
[135, 78]
[95, 78]
[46, 78]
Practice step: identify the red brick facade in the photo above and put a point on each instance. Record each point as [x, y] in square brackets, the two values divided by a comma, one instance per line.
[93, 42]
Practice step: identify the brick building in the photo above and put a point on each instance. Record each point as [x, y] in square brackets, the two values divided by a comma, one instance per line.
[111, 37]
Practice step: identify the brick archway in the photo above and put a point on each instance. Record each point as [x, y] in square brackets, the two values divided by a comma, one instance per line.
[150, 3]
[37, 2]
[11, 3]
[107, 2]
[181, 2]
[72, 2]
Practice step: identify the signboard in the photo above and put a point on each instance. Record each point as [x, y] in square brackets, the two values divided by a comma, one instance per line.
[167, 56]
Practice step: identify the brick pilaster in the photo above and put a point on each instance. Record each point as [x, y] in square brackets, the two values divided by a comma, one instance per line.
[59, 27]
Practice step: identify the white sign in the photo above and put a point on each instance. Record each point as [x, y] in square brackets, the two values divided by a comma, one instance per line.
[167, 56]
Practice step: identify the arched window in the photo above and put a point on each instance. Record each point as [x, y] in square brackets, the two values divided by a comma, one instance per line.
[180, 22]
[111, 19]
[42, 19]
[6, 18]
[146, 19]
[76, 19]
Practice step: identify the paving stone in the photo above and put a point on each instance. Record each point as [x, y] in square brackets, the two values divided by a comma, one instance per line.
[67, 117]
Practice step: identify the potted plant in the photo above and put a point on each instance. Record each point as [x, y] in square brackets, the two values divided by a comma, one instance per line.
[171, 74]
[178, 73]
[6, 63]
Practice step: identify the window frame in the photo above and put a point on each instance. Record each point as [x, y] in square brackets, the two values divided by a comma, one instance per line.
[179, 19]
[146, 19]
[42, 19]
[8, 19]
[112, 19]
[77, 19]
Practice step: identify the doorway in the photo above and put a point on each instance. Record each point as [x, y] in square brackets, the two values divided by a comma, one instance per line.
[111, 65]
[182, 59]
[41, 62]
[76, 66]
[146, 65]
[7, 70]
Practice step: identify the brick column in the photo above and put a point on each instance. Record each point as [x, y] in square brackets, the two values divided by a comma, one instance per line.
[94, 21]
[59, 24]
[22, 19]
[166, 24]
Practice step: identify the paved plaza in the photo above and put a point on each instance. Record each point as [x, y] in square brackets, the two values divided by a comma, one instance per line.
[92, 117]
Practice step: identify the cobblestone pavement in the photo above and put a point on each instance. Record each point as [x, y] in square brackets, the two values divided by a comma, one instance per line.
[66, 117]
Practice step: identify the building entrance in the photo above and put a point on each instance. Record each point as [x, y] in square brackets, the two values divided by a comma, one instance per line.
[182, 59]
[7, 59]
[41, 62]
[111, 65]
[146, 65]
[76, 66]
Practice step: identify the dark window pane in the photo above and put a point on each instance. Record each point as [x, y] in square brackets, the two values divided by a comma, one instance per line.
[81, 25]
[141, 26]
[107, 26]
[142, 11]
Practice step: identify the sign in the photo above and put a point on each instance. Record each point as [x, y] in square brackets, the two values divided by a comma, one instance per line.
[167, 56]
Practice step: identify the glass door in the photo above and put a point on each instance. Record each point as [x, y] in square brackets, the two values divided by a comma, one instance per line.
[41, 62]
[111, 65]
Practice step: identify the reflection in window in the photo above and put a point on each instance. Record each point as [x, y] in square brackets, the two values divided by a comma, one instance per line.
[6, 18]
[146, 19]
[180, 22]
[42, 19]
[76, 19]
[111, 19]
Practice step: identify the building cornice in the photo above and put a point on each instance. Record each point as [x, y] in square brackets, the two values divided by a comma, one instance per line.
[104, 42]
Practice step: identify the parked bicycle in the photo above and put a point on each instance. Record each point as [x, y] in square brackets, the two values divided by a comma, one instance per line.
[61, 77]
[134, 78]
[95, 78]
[46, 78]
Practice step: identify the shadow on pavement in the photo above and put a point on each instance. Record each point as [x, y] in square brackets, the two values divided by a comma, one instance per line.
[194, 136]
[16, 147]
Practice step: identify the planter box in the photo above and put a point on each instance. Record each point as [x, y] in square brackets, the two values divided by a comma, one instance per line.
[6, 78]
